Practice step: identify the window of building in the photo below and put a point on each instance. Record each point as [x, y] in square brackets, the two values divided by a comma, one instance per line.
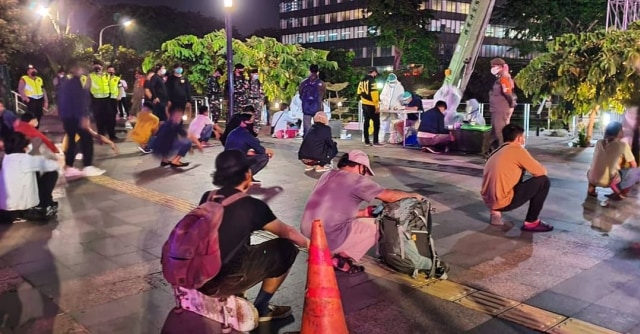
[322, 36]
[311, 37]
[299, 39]
[333, 36]
[322, 19]
[333, 17]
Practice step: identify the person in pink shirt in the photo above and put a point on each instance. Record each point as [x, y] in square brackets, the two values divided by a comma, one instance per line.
[202, 127]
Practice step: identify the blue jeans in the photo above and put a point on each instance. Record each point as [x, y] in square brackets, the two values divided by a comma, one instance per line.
[182, 146]
[206, 133]
[629, 177]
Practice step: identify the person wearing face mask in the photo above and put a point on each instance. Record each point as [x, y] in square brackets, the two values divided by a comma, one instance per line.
[242, 139]
[503, 186]
[61, 75]
[501, 101]
[240, 87]
[100, 98]
[114, 101]
[370, 99]
[390, 97]
[336, 199]
[179, 89]
[155, 91]
[214, 94]
[256, 94]
[32, 92]
[26, 182]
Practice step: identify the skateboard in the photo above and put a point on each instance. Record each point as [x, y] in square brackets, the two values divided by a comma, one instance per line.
[232, 312]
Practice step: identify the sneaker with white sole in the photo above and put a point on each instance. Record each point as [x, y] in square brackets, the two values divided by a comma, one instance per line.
[79, 156]
[322, 169]
[93, 171]
[276, 312]
[127, 126]
[144, 150]
[72, 172]
[308, 168]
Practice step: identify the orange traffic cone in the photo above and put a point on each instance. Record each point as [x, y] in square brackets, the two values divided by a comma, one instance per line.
[323, 313]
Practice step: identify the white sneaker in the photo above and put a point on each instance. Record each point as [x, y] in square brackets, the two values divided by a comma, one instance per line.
[79, 156]
[93, 171]
[128, 126]
[70, 172]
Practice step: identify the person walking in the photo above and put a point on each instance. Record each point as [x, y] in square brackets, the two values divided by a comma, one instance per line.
[311, 92]
[32, 92]
[72, 109]
[370, 98]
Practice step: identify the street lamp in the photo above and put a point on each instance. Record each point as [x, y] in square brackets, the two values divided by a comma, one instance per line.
[125, 24]
[228, 4]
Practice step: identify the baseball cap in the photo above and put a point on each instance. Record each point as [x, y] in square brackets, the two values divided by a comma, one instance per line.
[498, 62]
[361, 158]
[239, 66]
[30, 67]
[231, 162]
[372, 69]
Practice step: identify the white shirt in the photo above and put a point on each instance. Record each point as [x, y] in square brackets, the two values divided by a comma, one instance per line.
[196, 126]
[390, 96]
[18, 184]
[280, 119]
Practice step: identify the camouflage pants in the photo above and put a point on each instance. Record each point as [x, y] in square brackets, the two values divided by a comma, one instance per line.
[239, 102]
[257, 105]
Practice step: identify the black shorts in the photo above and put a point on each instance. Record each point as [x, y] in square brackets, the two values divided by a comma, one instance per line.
[269, 259]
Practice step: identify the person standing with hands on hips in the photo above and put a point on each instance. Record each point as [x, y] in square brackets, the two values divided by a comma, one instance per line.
[370, 99]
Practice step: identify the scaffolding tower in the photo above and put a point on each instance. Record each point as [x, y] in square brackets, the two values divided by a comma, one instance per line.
[621, 13]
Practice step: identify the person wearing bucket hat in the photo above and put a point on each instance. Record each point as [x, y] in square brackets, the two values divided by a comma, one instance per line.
[389, 100]
[502, 100]
[613, 164]
[336, 199]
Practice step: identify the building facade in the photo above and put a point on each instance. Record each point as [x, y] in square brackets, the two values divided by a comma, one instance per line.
[328, 24]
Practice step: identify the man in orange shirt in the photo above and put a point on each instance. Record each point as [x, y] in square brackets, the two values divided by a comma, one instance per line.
[503, 188]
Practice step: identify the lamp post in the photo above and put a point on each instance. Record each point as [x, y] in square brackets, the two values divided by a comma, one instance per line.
[125, 23]
[228, 4]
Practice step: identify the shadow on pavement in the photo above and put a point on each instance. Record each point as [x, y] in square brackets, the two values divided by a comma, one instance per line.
[149, 175]
[189, 322]
[267, 193]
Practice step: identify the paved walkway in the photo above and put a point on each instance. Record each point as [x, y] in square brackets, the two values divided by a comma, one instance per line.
[97, 270]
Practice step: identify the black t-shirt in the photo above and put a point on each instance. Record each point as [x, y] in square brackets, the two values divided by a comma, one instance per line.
[157, 88]
[239, 220]
[416, 101]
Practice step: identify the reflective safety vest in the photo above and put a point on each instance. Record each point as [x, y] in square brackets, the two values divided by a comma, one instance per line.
[99, 85]
[33, 87]
[114, 90]
[83, 79]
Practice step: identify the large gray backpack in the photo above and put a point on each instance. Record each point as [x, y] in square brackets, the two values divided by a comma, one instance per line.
[405, 243]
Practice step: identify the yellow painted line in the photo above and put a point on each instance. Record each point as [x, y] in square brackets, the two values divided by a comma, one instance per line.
[572, 325]
[487, 302]
[471, 298]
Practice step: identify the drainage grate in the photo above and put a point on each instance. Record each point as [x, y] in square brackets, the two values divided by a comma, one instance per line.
[575, 326]
[532, 317]
[447, 290]
[487, 302]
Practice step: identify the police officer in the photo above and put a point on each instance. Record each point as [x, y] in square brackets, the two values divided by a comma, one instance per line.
[100, 98]
[256, 94]
[32, 92]
[214, 94]
[240, 87]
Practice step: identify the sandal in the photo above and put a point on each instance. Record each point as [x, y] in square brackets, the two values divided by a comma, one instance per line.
[351, 267]
[540, 227]
[180, 164]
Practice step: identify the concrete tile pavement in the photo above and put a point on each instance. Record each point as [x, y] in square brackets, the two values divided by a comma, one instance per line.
[98, 264]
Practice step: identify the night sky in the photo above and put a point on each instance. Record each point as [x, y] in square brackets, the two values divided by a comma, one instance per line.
[249, 15]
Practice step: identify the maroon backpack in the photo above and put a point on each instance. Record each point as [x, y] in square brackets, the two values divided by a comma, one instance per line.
[191, 255]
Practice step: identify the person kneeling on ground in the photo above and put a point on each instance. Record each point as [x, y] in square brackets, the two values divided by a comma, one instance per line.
[172, 140]
[336, 199]
[203, 127]
[146, 126]
[317, 148]
[433, 136]
[27, 181]
[503, 188]
[613, 164]
[242, 139]
[268, 262]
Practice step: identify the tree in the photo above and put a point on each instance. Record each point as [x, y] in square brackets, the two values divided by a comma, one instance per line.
[535, 22]
[281, 67]
[403, 25]
[592, 71]
[12, 34]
